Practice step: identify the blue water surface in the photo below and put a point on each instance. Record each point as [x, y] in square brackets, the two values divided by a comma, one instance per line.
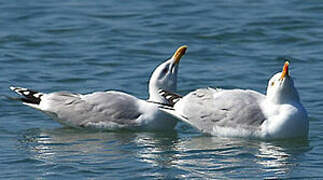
[86, 46]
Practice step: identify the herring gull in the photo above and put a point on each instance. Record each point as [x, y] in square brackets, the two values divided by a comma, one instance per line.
[111, 109]
[244, 113]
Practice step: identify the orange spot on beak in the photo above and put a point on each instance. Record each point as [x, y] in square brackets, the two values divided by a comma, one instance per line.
[285, 70]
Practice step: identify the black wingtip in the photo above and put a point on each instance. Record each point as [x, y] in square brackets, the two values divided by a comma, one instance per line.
[170, 97]
[166, 107]
[29, 96]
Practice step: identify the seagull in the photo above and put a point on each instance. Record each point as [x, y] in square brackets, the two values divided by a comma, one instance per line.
[278, 114]
[111, 110]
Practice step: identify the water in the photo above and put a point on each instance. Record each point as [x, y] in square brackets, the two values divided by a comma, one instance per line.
[85, 46]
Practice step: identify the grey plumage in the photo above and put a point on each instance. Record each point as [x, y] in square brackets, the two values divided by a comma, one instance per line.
[206, 108]
[99, 107]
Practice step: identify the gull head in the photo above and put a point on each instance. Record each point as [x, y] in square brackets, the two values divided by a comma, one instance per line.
[165, 76]
[281, 88]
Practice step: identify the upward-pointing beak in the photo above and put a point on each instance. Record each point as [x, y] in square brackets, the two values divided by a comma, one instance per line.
[285, 71]
[178, 54]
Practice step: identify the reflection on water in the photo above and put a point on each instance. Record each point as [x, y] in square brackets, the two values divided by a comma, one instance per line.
[220, 157]
[97, 152]
[161, 155]
[273, 158]
[281, 157]
[156, 150]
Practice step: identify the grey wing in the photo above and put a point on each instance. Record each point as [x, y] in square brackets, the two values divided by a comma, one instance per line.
[206, 108]
[97, 109]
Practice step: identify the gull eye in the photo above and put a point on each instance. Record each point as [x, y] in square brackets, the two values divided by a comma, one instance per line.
[272, 83]
[165, 70]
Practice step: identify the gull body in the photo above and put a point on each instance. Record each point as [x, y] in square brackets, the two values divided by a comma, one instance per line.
[111, 109]
[244, 113]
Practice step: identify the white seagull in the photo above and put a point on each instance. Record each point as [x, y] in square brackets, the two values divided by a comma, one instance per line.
[244, 113]
[111, 109]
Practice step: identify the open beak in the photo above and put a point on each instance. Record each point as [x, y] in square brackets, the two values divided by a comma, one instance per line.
[178, 54]
[285, 71]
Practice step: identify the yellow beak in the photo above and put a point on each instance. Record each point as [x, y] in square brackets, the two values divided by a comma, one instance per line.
[178, 54]
[285, 70]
